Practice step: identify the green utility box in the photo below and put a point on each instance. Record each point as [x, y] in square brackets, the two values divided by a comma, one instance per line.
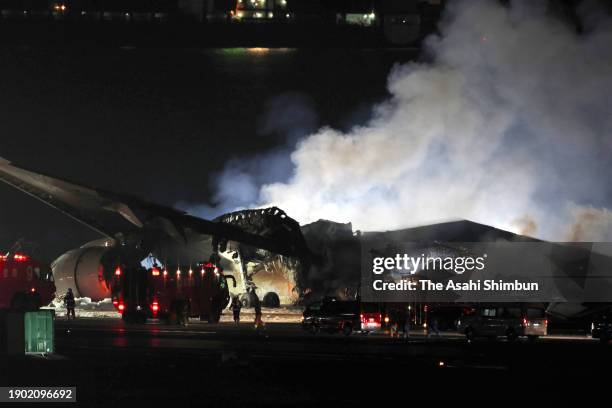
[27, 332]
[39, 331]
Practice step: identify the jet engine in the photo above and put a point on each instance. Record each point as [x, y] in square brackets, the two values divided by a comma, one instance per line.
[83, 270]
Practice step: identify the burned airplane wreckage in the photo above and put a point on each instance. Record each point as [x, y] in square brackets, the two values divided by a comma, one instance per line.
[267, 252]
[325, 260]
[264, 248]
[280, 277]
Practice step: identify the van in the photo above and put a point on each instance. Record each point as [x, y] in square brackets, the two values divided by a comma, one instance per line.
[341, 316]
[332, 316]
[510, 321]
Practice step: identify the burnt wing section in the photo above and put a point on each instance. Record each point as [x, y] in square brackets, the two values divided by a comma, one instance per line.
[272, 224]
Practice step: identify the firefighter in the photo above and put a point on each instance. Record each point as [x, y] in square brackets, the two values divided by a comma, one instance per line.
[394, 320]
[407, 322]
[69, 303]
[235, 308]
[257, 306]
[432, 325]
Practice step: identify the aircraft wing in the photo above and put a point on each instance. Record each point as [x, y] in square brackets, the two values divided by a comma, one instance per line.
[86, 205]
[114, 215]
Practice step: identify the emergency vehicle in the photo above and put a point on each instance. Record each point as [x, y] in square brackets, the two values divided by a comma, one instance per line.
[171, 295]
[344, 316]
[509, 320]
[25, 283]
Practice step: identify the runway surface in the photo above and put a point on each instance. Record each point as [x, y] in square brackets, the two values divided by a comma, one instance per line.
[227, 365]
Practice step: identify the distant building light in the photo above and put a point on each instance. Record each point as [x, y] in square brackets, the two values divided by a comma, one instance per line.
[258, 50]
[360, 19]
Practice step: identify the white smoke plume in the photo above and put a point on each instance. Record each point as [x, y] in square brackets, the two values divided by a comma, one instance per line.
[509, 125]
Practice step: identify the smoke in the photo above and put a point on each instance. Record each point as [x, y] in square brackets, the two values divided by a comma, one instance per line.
[510, 125]
[289, 116]
[590, 224]
[525, 225]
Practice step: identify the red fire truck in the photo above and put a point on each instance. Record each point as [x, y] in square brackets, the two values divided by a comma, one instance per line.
[25, 283]
[171, 295]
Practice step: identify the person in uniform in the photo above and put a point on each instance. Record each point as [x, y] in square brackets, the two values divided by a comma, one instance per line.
[257, 306]
[407, 322]
[235, 308]
[69, 302]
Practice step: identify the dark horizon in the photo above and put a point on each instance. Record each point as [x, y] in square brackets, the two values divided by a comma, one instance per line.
[128, 120]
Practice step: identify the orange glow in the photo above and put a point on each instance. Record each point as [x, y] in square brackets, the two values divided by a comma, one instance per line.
[258, 50]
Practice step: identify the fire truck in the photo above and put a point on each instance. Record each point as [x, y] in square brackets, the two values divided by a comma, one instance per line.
[25, 283]
[171, 294]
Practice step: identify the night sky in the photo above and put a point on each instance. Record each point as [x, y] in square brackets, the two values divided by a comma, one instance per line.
[159, 123]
